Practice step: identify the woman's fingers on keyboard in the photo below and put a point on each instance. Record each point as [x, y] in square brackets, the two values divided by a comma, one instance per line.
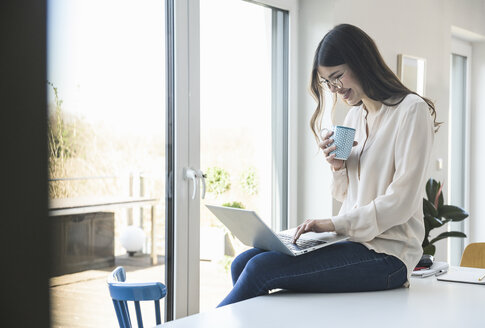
[303, 228]
[315, 225]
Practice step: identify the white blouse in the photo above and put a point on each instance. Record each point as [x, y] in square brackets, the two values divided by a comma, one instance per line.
[382, 184]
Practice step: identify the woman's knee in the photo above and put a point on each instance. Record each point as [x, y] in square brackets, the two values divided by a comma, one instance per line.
[264, 264]
[237, 266]
[240, 262]
[253, 266]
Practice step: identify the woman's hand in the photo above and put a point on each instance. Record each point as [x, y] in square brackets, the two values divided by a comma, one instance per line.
[321, 225]
[327, 147]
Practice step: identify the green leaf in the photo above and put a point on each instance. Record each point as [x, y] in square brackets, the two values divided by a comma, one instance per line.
[429, 189]
[453, 213]
[429, 249]
[440, 200]
[434, 222]
[445, 221]
[432, 189]
[429, 209]
[446, 235]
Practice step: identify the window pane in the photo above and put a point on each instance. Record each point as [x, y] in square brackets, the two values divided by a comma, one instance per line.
[106, 75]
[236, 129]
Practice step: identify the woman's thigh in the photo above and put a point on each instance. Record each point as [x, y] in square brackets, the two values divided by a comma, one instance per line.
[240, 262]
[342, 267]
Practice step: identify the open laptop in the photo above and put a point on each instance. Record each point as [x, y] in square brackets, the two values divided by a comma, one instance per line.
[252, 231]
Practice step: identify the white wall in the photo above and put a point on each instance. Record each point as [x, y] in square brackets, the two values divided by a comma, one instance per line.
[413, 27]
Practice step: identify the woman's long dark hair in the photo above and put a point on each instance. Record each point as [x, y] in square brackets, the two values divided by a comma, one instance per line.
[348, 44]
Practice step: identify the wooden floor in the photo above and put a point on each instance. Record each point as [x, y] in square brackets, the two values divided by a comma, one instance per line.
[82, 299]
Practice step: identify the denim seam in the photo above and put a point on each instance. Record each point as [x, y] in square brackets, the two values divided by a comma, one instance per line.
[392, 274]
[317, 271]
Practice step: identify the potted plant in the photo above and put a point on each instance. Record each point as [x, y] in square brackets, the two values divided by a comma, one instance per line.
[437, 214]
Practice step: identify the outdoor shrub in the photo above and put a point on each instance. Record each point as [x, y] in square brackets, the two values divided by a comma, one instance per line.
[217, 180]
[61, 135]
[234, 204]
[249, 181]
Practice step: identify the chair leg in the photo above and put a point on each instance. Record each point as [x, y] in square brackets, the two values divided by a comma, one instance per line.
[138, 314]
[157, 312]
[127, 314]
[121, 309]
[118, 313]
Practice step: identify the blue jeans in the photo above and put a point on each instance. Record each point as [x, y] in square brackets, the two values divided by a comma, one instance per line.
[342, 267]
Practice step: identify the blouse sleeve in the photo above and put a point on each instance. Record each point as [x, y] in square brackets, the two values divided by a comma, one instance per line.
[412, 150]
[340, 183]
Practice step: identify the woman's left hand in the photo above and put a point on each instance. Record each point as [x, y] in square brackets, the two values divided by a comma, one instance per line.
[320, 225]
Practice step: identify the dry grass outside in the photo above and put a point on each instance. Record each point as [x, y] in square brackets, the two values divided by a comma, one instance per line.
[82, 149]
[107, 160]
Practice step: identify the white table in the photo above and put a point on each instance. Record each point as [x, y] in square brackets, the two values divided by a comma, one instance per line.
[427, 303]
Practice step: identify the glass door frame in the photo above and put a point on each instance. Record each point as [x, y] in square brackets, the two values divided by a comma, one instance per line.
[169, 159]
[184, 222]
[183, 264]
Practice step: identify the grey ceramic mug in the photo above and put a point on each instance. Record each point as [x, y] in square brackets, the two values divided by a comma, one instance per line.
[343, 137]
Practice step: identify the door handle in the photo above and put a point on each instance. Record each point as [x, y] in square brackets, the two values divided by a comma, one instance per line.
[192, 175]
[202, 177]
[195, 175]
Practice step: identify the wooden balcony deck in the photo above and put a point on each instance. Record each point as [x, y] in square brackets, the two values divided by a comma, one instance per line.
[82, 299]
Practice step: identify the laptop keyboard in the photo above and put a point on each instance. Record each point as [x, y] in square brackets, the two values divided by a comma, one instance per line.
[300, 243]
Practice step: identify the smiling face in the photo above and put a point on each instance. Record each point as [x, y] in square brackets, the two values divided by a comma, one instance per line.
[351, 91]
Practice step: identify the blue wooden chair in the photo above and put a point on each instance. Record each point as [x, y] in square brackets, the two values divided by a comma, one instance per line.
[121, 292]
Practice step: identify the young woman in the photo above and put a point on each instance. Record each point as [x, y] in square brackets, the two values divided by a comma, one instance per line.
[380, 184]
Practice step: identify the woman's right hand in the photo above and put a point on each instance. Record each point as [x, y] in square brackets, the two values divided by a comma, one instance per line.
[327, 147]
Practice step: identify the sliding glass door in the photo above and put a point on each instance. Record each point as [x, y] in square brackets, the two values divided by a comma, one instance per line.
[107, 117]
[240, 133]
[231, 135]
[147, 102]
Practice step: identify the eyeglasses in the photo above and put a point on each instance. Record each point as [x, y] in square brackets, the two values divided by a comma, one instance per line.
[328, 84]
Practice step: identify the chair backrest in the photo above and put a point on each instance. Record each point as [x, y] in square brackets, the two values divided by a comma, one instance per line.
[121, 292]
[474, 256]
